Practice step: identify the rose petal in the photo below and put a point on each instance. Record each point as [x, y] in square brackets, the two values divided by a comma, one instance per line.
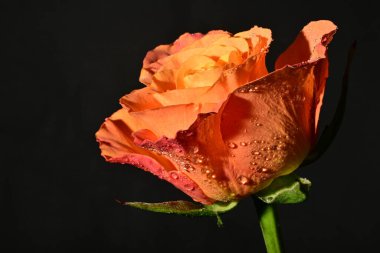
[141, 99]
[165, 121]
[310, 45]
[151, 61]
[186, 152]
[258, 39]
[156, 58]
[197, 71]
[116, 143]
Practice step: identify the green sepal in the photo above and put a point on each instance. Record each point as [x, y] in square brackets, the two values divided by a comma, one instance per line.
[289, 189]
[187, 208]
[331, 130]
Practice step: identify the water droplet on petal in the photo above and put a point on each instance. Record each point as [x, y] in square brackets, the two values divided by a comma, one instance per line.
[213, 176]
[174, 175]
[189, 187]
[253, 163]
[187, 167]
[243, 180]
[258, 124]
[232, 145]
[243, 143]
[264, 170]
[199, 160]
[273, 147]
[256, 153]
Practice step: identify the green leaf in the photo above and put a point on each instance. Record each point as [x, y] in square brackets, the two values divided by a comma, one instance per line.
[331, 130]
[289, 189]
[186, 208]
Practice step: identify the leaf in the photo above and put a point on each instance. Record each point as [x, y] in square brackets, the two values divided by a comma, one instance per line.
[289, 189]
[331, 130]
[185, 208]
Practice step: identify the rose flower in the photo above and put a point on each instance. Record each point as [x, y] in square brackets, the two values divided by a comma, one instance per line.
[212, 121]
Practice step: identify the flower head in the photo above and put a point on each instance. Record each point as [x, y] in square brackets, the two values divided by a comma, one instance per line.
[212, 121]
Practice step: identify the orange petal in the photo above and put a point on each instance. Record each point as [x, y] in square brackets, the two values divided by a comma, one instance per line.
[253, 68]
[116, 143]
[197, 71]
[155, 58]
[152, 59]
[310, 45]
[165, 121]
[141, 99]
[267, 125]
[258, 39]
[210, 38]
[197, 154]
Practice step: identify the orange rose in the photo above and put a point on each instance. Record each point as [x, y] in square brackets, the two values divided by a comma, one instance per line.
[212, 121]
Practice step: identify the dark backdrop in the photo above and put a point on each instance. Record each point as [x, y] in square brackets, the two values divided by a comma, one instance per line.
[67, 64]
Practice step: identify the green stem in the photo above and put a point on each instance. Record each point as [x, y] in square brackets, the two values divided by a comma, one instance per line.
[269, 226]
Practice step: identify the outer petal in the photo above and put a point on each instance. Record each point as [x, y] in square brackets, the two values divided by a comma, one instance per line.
[116, 143]
[310, 45]
[141, 99]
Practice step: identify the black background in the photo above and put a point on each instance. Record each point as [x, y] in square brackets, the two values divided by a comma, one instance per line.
[67, 64]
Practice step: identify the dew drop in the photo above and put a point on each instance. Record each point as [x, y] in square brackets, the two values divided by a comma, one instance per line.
[187, 167]
[174, 175]
[267, 159]
[189, 187]
[195, 149]
[213, 176]
[258, 124]
[253, 163]
[256, 153]
[264, 170]
[243, 180]
[199, 160]
[243, 143]
[232, 145]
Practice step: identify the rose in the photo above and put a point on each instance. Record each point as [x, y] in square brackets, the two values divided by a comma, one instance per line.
[212, 121]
